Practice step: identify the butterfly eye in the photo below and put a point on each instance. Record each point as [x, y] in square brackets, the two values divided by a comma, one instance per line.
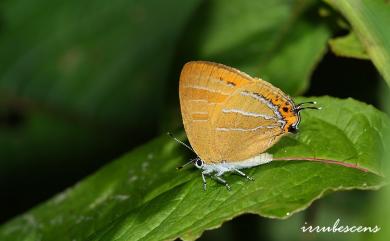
[198, 163]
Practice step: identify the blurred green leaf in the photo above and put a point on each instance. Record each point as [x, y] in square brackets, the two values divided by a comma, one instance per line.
[380, 209]
[279, 41]
[100, 59]
[81, 77]
[142, 196]
[370, 21]
[348, 46]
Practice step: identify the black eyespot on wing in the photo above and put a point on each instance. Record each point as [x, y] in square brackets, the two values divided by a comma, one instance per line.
[285, 109]
[231, 83]
[227, 82]
[292, 129]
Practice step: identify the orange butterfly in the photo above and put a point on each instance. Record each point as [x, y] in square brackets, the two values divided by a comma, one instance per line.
[231, 119]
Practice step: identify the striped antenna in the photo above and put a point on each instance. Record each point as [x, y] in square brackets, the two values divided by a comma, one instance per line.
[189, 162]
[180, 142]
[301, 106]
[184, 144]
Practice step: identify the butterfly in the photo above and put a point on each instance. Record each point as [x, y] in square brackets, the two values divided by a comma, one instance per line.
[231, 118]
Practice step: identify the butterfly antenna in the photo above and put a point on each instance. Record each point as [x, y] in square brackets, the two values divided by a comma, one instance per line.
[179, 141]
[189, 162]
[308, 102]
[310, 107]
[184, 144]
[300, 106]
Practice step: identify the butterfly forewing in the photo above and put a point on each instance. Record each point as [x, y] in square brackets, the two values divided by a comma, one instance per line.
[226, 113]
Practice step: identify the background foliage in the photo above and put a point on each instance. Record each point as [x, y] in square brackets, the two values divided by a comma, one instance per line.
[83, 83]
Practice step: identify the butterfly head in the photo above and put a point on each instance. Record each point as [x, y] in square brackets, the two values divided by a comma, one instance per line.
[198, 163]
[292, 127]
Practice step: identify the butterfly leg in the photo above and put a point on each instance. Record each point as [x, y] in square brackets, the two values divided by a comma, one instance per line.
[224, 182]
[204, 181]
[243, 174]
[204, 173]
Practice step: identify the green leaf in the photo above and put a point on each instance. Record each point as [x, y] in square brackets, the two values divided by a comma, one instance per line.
[142, 197]
[75, 73]
[370, 21]
[279, 41]
[90, 62]
[379, 208]
[348, 46]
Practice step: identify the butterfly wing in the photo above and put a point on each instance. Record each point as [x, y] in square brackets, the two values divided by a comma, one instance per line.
[248, 122]
[203, 88]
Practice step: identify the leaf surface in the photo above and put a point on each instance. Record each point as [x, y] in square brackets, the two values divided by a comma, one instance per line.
[370, 21]
[348, 46]
[142, 197]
